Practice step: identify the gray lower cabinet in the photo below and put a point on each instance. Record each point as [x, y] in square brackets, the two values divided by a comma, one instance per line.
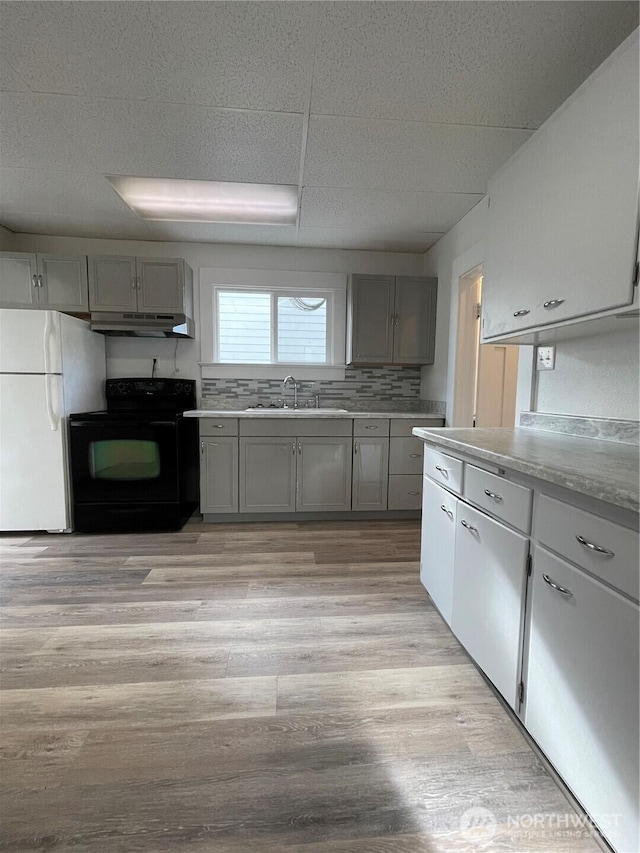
[324, 474]
[370, 473]
[268, 474]
[219, 474]
[56, 282]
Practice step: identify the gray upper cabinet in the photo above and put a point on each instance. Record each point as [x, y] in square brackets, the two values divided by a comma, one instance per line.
[43, 281]
[147, 285]
[391, 320]
[563, 212]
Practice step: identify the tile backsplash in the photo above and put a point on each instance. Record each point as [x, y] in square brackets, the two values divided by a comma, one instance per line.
[364, 388]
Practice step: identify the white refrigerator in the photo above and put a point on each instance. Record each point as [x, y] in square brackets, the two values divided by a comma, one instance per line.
[51, 364]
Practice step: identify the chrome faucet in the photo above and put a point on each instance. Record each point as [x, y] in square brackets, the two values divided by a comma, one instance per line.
[285, 382]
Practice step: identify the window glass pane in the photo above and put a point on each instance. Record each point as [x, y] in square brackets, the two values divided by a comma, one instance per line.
[124, 459]
[302, 329]
[244, 327]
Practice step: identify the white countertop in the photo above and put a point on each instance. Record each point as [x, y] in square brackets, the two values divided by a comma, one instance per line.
[605, 470]
[310, 413]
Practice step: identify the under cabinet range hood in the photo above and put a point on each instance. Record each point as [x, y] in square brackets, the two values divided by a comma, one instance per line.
[135, 325]
[130, 325]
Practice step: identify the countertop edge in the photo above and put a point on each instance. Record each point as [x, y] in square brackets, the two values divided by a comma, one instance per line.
[304, 413]
[616, 496]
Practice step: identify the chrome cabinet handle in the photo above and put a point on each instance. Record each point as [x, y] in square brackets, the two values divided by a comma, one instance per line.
[372, 426]
[39, 281]
[415, 455]
[355, 447]
[300, 448]
[218, 426]
[557, 586]
[448, 511]
[413, 493]
[391, 318]
[443, 471]
[468, 526]
[493, 495]
[593, 547]
[553, 303]
[397, 320]
[293, 447]
[522, 312]
[202, 447]
[34, 279]
[133, 283]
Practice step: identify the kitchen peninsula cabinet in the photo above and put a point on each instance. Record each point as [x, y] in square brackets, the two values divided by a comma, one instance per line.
[563, 212]
[391, 319]
[147, 285]
[54, 282]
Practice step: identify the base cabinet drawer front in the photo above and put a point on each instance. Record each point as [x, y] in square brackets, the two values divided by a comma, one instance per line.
[582, 692]
[488, 593]
[444, 469]
[508, 501]
[370, 473]
[218, 426]
[437, 543]
[324, 474]
[371, 427]
[268, 474]
[296, 426]
[219, 475]
[606, 549]
[405, 456]
[405, 491]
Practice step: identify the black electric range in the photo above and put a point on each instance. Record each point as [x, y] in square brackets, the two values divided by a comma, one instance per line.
[135, 466]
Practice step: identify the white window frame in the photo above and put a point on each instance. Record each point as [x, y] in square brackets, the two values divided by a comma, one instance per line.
[331, 286]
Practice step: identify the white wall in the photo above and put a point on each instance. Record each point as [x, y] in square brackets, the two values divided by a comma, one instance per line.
[133, 356]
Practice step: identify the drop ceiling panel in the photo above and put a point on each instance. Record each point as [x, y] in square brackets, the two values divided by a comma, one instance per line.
[36, 131]
[10, 81]
[375, 209]
[152, 139]
[371, 153]
[492, 63]
[389, 239]
[251, 55]
[48, 193]
[105, 227]
[201, 232]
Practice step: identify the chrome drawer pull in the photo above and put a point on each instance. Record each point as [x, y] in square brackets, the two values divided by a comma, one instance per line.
[553, 303]
[372, 426]
[553, 584]
[218, 426]
[443, 471]
[521, 312]
[468, 526]
[593, 547]
[448, 511]
[492, 495]
[413, 494]
[415, 455]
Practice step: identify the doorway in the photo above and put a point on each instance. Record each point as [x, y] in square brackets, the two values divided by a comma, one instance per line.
[486, 375]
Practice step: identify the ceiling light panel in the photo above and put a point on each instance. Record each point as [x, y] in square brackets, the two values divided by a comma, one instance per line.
[170, 200]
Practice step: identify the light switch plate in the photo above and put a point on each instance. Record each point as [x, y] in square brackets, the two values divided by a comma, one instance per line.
[545, 358]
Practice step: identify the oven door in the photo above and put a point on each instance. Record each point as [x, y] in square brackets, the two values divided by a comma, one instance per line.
[116, 461]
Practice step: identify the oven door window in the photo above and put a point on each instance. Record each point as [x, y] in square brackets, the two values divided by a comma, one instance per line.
[124, 459]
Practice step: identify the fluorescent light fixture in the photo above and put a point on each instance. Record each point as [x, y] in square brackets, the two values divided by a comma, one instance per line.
[172, 200]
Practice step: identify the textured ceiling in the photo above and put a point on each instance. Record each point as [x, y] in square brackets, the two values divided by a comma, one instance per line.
[389, 116]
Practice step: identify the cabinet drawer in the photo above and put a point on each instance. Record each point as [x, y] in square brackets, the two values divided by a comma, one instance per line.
[608, 551]
[401, 427]
[443, 469]
[296, 426]
[218, 426]
[499, 497]
[371, 427]
[405, 456]
[405, 491]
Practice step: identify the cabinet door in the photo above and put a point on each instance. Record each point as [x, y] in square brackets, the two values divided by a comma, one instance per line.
[437, 543]
[370, 473]
[370, 319]
[112, 283]
[581, 692]
[18, 280]
[219, 475]
[160, 285]
[324, 474]
[488, 594]
[63, 283]
[414, 335]
[268, 474]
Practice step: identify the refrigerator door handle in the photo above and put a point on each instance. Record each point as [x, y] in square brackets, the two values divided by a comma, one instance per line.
[53, 419]
[45, 343]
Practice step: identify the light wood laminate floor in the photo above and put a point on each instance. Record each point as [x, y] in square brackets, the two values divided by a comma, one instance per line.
[277, 688]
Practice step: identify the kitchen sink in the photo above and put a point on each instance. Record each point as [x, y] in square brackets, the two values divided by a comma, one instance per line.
[282, 411]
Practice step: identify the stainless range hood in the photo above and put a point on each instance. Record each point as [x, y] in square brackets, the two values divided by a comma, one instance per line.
[134, 325]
